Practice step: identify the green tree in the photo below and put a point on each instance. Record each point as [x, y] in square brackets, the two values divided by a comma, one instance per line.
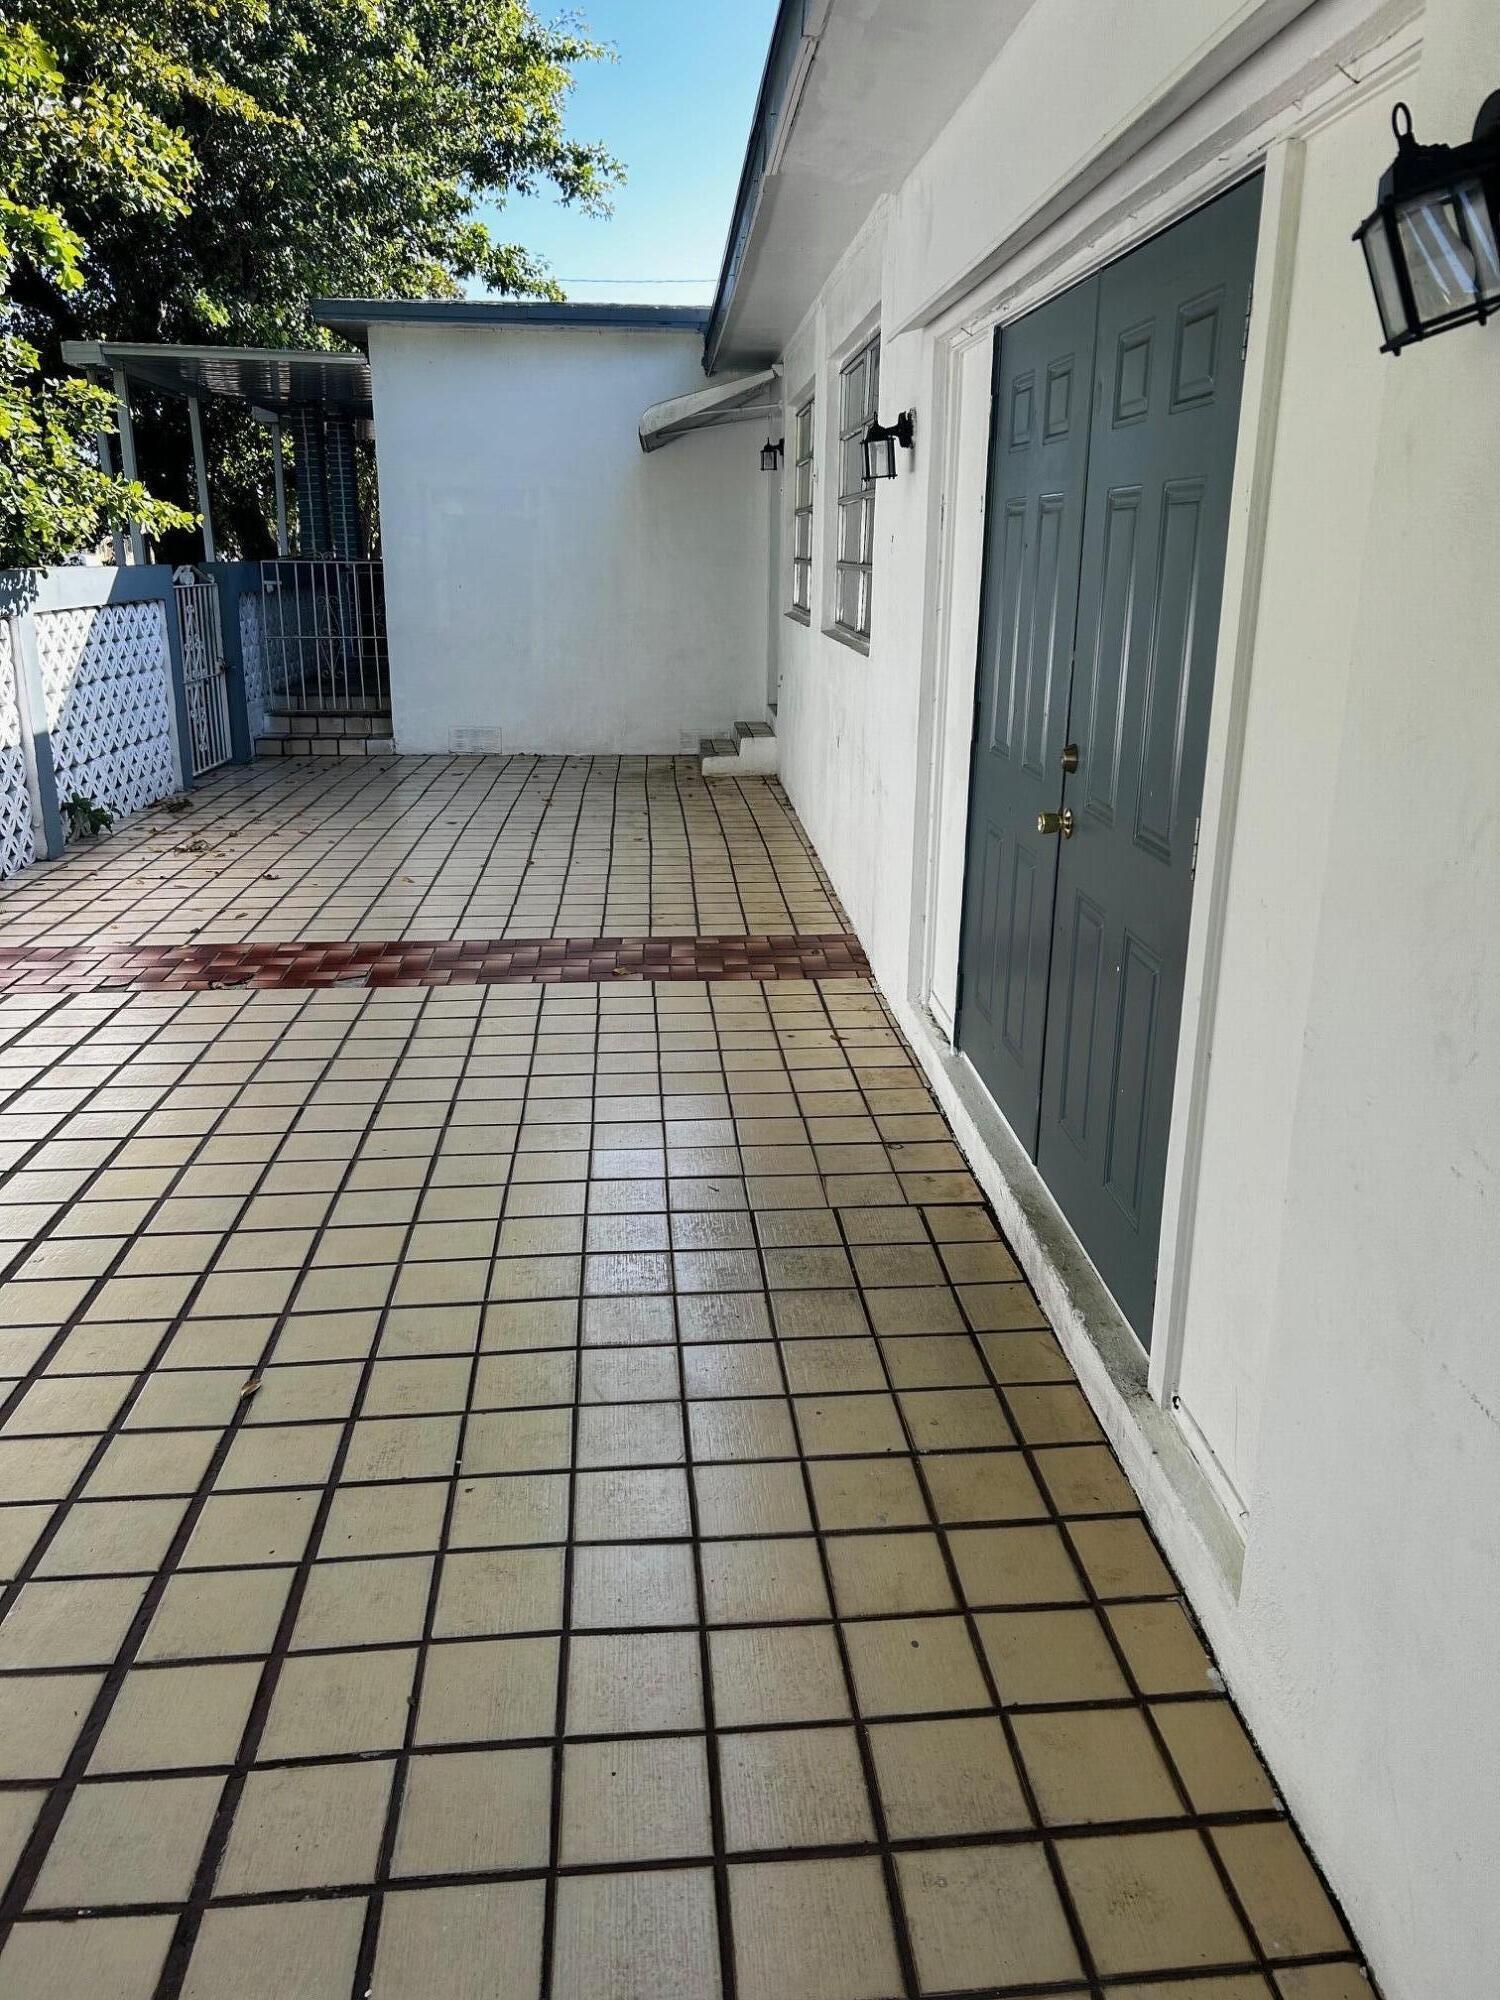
[199, 169]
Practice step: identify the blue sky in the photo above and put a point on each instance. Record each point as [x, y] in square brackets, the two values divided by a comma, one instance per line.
[675, 108]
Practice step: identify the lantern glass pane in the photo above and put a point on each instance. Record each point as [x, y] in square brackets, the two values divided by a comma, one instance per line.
[1438, 261]
[880, 458]
[1376, 244]
[1480, 224]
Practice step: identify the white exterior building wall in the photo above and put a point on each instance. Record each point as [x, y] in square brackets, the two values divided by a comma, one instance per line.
[1331, 1360]
[549, 587]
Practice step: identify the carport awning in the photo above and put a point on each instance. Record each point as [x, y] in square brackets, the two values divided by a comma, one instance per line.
[268, 378]
[742, 399]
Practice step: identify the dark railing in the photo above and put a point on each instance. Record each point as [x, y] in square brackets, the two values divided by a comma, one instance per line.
[324, 634]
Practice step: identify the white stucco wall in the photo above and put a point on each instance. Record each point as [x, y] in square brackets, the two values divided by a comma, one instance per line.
[548, 586]
[1340, 1359]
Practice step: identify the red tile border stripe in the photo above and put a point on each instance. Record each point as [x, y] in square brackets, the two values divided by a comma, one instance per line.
[400, 962]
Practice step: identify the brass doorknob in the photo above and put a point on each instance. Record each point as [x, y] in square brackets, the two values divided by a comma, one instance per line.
[1070, 757]
[1056, 822]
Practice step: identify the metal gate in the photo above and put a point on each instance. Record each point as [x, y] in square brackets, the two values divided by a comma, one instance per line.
[203, 670]
[325, 635]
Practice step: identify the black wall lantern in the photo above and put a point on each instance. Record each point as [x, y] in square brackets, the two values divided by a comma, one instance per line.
[878, 447]
[770, 455]
[1431, 244]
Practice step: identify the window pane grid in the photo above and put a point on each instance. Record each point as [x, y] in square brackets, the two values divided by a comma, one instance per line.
[859, 396]
[802, 510]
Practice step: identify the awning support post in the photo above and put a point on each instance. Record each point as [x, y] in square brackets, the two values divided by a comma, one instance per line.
[200, 467]
[127, 458]
[107, 467]
[278, 468]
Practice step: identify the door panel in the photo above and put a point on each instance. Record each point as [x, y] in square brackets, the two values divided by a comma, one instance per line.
[1039, 425]
[1161, 459]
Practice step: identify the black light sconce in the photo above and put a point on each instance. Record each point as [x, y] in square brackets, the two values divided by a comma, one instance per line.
[1431, 243]
[878, 447]
[770, 454]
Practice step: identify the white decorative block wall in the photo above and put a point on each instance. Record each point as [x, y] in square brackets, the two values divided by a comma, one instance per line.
[106, 682]
[253, 660]
[17, 832]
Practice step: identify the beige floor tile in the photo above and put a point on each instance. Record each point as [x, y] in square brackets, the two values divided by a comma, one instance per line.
[882, 1575]
[236, 1528]
[106, 1536]
[616, 1434]
[749, 1583]
[494, 1592]
[621, 1683]
[69, 1624]
[642, 1936]
[813, 1930]
[649, 1502]
[306, 1827]
[384, 1520]
[983, 1486]
[514, 1509]
[176, 1717]
[488, 1690]
[468, 1811]
[273, 1455]
[867, 1493]
[751, 1500]
[793, 1788]
[203, 1615]
[520, 1441]
[336, 1704]
[1093, 1765]
[634, 1799]
[986, 1916]
[40, 1717]
[619, 1584]
[843, 1426]
[1005, 1566]
[127, 1841]
[1164, 1653]
[18, 1815]
[1121, 1559]
[1085, 1479]
[777, 1674]
[1151, 1902]
[946, 1777]
[172, 1462]
[118, 1956]
[1039, 1656]
[1214, 1757]
[1280, 1890]
[1324, 1982]
[914, 1666]
[729, 1433]
[268, 1952]
[466, 1931]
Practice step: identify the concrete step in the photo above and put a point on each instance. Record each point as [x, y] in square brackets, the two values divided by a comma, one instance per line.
[328, 722]
[324, 746]
[749, 753]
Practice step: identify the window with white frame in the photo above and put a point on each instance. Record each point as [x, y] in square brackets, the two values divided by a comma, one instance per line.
[802, 509]
[859, 393]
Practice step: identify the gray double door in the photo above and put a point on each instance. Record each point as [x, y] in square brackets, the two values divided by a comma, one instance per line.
[1112, 435]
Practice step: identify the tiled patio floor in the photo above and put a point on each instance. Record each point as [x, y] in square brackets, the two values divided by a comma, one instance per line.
[436, 848]
[560, 1491]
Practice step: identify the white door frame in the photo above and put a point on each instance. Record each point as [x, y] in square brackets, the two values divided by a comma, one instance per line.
[1076, 247]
